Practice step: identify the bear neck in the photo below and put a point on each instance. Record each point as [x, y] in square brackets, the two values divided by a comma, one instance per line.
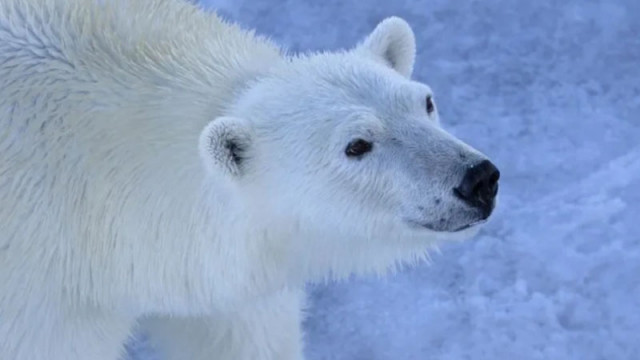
[148, 91]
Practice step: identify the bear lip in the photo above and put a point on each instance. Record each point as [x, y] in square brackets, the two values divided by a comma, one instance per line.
[470, 225]
[429, 226]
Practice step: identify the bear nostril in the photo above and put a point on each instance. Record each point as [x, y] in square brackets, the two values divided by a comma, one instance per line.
[495, 176]
[493, 182]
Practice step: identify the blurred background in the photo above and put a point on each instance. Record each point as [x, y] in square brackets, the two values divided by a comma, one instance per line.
[550, 90]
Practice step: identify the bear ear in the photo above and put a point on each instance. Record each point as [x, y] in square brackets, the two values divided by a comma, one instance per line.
[223, 145]
[393, 42]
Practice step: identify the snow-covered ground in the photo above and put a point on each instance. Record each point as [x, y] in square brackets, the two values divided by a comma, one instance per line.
[551, 91]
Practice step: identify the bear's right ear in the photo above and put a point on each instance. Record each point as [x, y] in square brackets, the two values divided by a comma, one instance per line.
[393, 43]
[223, 145]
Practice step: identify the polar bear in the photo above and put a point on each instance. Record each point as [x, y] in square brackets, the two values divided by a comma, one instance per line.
[165, 169]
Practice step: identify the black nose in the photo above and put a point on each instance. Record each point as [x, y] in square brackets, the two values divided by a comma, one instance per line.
[480, 186]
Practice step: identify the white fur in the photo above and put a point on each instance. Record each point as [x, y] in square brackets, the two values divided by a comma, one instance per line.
[120, 199]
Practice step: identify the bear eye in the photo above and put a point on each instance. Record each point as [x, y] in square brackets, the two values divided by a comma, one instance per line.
[358, 147]
[430, 106]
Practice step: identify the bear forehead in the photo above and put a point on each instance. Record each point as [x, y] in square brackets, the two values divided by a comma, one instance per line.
[337, 82]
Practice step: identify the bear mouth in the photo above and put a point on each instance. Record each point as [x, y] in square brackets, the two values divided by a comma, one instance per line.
[469, 226]
[441, 229]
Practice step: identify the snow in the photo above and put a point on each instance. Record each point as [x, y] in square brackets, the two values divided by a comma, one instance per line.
[551, 91]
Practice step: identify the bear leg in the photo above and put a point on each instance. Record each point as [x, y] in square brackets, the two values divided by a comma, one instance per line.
[70, 334]
[268, 330]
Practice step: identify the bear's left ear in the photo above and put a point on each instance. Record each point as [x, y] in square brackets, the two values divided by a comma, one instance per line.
[223, 145]
[393, 42]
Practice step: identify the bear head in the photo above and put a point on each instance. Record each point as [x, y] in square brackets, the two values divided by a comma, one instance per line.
[345, 151]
